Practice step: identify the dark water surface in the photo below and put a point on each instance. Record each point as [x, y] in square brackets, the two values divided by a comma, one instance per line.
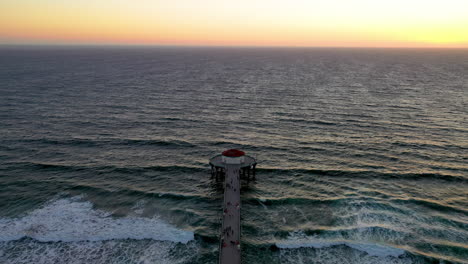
[362, 154]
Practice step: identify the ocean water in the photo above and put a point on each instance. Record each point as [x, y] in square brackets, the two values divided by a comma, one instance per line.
[363, 154]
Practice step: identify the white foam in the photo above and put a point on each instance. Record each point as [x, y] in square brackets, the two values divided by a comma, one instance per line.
[299, 239]
[336, 255]
[98, 252]
[139, 207]
[72, 220]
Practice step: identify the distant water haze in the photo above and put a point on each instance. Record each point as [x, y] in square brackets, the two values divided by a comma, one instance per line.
[362, 154]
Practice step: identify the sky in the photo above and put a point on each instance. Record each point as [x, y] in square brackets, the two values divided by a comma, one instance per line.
[314, 23]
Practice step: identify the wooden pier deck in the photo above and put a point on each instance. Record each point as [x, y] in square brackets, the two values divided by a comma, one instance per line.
[230, 252]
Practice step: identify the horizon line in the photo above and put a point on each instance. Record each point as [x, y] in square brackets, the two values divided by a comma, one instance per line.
[217, 46]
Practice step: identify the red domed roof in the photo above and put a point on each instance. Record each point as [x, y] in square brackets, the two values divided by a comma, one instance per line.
[233, 153]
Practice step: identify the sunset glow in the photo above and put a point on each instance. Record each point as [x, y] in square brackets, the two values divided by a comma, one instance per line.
[341, 23]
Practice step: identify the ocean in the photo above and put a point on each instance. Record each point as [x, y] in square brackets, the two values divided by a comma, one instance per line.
[362, 154]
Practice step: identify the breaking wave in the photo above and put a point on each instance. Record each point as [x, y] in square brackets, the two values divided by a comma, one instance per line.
[73, 220]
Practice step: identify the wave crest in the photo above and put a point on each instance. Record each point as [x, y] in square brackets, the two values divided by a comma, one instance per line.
[72, 220]
[299, 239]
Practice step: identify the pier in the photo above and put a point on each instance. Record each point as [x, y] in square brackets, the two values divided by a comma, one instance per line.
[233, 165]
[246, 167]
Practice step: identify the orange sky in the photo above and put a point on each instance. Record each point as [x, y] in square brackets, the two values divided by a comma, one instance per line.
[342, 23]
